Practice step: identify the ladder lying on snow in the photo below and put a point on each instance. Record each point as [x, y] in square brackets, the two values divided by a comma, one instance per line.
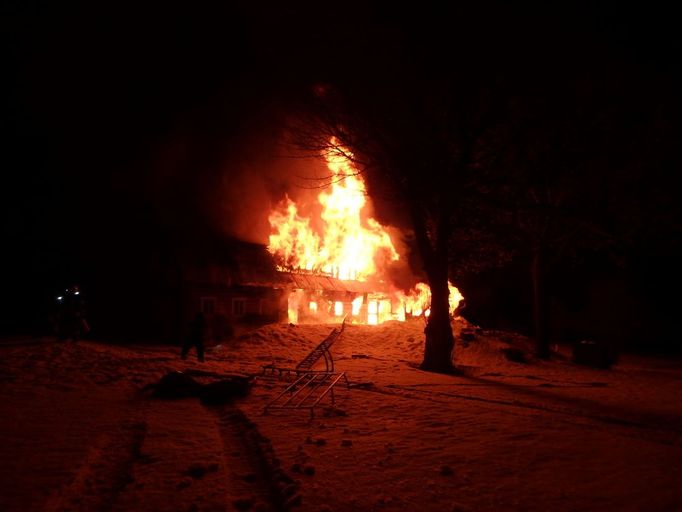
[310, 386]
[306, 365]
[307, 391]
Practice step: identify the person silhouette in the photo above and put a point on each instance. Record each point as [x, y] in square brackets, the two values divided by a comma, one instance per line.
[197, 334]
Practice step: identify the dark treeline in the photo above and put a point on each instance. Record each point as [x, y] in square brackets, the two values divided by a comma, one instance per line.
[539, 149]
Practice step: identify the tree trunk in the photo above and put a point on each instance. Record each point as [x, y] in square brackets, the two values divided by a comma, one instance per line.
[540, 304]
[440, 342]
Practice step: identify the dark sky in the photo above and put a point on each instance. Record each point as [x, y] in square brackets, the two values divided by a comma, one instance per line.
[124, 122]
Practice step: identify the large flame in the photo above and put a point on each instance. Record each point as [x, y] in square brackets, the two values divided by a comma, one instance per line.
[418, 301]
[350, 244]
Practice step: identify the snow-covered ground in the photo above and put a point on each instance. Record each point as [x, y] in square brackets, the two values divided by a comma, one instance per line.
[78, 432]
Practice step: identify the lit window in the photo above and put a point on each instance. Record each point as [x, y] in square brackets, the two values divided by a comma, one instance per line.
[356, 305]
[372, 312]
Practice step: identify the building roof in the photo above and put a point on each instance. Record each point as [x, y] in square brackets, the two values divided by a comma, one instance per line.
[233, 262]
[328, 283]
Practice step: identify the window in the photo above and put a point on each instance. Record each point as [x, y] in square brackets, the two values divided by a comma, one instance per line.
[372, 312]
[208, 305]
[238, 307]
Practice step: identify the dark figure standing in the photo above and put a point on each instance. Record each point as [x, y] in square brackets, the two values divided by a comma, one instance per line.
[70, 322]
[197, 333]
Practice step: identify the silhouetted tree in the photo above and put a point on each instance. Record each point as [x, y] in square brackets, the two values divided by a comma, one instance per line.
[557, 183]
[421, 141]
[492, 148]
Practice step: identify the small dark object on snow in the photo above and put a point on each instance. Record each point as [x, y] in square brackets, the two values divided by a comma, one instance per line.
[174, 385]
[183, 484]
[467, 335]
[225, 390]
[294, 501]
[446, 471]
[243, 503]
[200, 470]
[594, 354]
[515, 355]
[289, 490]
[334, 412]
[361, 385]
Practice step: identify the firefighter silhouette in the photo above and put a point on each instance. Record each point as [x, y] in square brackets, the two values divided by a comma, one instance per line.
[70, 321]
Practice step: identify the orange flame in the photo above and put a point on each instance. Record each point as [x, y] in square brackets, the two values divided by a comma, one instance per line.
[418, 300]
[349, 247]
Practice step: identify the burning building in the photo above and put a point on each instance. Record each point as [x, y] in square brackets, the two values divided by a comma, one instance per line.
[339, 268]
[325, 267]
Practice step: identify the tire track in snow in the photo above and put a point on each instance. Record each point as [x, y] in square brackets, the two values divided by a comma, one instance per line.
[104, 474]
[257, 479]
[664, 435]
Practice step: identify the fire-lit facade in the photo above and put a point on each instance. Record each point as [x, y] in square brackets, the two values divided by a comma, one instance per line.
[315, 298]
[336, 268]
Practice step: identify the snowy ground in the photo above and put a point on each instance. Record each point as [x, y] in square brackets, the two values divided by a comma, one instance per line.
[79, 434]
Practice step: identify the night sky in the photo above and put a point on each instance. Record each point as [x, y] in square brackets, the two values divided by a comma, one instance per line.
[122, 122]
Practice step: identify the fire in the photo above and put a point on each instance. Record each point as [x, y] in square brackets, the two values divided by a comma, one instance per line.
[349, 246]
[338, 308]
[356, 305]
[418, 301]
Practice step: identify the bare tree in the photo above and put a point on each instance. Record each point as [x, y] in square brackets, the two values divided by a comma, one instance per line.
[556, 185]
[421, 142]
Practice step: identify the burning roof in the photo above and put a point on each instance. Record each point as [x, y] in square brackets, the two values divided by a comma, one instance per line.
[349, 252]
[328, 283]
